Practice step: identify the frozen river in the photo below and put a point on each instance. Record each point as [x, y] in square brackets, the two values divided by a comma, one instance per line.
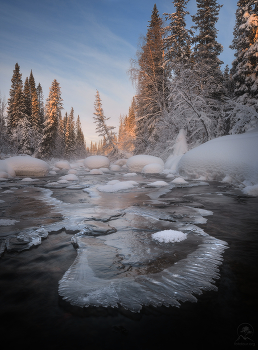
[80, 267]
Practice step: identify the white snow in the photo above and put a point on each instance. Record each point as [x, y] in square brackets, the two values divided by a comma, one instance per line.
[28, 166]
[28, 179]
[129, 174]
[52, 172]
[72, 171]
[6, 170]
[62, 164]
[136, 163]
[169, 236]
[96, 172]
[70, 177]
[233, 156]
[153, 168]
[179, 149]
[7, 222]
[120, 162]
[104, 170]
[251, 190]
[115, 167]
[115, 185]
[179, 180]
[158, 184]
[63, 181]
[96, 162]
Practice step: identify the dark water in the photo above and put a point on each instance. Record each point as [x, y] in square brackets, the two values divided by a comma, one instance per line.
[33, 316]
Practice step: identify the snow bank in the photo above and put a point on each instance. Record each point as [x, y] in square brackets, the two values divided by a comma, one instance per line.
[152, 168]
[136, 163]
[62, 164]
[251, 190]
[169, 236]
[234, 155]
[96, 162]
[6, 170]
[28, 166]
[115, 185]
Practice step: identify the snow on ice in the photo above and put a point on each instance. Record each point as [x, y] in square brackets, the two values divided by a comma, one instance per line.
[116, 185]
[169, 236]
[62, 164]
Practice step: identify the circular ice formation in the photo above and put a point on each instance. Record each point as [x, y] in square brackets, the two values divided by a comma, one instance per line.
[179, 180]
[28, 166]
[96, 162]
[136, 163]
[152, 168]
[169, 236]
[62, 164]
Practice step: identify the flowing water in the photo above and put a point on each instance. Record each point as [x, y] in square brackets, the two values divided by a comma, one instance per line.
[80, 270]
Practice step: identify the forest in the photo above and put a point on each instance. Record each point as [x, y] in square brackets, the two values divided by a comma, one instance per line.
[179, 84]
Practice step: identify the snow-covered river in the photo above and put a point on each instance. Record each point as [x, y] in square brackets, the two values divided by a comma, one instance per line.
[81, 268]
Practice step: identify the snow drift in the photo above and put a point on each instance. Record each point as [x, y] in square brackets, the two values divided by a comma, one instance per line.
[136, 163]
[235, 156]
[28, 166]
[96, 162]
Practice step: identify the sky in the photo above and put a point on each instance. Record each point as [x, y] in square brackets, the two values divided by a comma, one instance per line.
[86, 45]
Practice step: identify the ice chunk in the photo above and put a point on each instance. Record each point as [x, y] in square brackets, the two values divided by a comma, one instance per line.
[70, 177]
[96, 172]
[136, 163]
[129, 174]
[72, 171]
[169, 236]
[117, 186]
[96, 162]
[7, 222]
[157, 184]
[62, 164]
[104, 170]
[28, 166]
[179, 180]
[152, 168]
[28, 179]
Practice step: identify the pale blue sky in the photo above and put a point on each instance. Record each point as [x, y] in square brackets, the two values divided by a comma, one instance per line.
[85, 45]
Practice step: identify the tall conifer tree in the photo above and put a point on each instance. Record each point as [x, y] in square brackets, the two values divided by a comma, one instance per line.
[13, 103]
[53, 110]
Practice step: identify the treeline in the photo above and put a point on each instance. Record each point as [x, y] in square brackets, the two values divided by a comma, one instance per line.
[33, 127]
[180, 84]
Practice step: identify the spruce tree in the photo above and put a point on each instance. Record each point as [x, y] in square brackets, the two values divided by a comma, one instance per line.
[27, 99]
[12, 103]
[79, 140]
[177, 42]
[206, 48]
[53, 110]
[102, 128]
[245, 66]
[151, 83]
[35, 115]
[40, 104]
